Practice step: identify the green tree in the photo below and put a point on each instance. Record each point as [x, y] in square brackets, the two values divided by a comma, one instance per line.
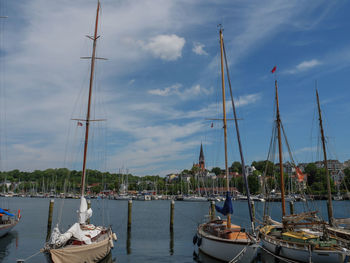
[216, 170]
[311, 171]
[236, 167]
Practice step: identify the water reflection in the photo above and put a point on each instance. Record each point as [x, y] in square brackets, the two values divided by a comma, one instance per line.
[5, 243]
[108, 259]
[128, 241]
[171, 245]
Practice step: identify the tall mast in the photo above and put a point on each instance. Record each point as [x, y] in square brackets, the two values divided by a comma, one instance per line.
[329, 203]
[278, 120]
[87, 121]
[224, 119]
[239, 144]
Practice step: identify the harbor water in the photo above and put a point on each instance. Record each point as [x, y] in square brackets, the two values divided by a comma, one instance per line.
[150, 238]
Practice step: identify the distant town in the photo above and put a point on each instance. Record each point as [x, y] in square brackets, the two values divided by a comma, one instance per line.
[196, 180]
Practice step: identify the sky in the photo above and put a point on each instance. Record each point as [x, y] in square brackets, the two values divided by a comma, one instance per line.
[161, 82]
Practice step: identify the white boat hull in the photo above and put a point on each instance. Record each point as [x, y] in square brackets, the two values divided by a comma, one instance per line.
[226, 250]
[5, 228]
[195, 199]
[299, 254]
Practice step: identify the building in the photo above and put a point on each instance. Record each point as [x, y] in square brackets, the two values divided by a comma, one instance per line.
[249, 170]
[201, 161]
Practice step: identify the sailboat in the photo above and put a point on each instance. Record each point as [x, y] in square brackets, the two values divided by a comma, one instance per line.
[333, 228]
[219, 238]
[8, 221]
[299, 237]
[82, 242]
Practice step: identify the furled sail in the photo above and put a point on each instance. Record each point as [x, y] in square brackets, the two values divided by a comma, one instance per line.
[84, 234]
[84, 212]
[227, 208]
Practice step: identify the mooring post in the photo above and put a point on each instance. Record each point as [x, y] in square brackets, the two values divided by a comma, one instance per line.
[89, 206]
[129, 213]
[253, 210]
[49, 220]
[291, 207]
[172, 205]
[128, 241]
[212, 210]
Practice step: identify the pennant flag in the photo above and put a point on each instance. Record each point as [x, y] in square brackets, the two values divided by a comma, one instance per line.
[300, 175]
[212, 125]
[227, 208]
[274, 69]
[79, 123]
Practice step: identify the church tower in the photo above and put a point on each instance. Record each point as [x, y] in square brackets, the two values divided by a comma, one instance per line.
[201, 159]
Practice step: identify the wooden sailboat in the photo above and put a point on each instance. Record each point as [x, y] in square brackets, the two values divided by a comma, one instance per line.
[83, 242]
[219, 238]
[301, 236]
[333, 227]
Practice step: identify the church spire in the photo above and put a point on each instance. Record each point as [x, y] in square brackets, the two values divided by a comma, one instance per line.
[201, 159]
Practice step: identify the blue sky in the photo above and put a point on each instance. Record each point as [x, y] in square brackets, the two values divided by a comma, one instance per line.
[161, 80]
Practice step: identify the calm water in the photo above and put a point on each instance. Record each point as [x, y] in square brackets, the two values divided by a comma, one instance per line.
[150, 239]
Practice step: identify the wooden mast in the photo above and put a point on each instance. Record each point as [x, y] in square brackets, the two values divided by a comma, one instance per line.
[225, 121]
[329, 203]
[87, 121]
[278, 120]
[244, 173]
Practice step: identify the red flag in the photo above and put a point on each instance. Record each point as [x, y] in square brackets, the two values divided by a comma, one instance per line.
[300, 175]
[79, 123]
[274, 69]
[212, 125]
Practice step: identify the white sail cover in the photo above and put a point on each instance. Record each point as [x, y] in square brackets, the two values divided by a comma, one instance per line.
[84, 213]
[74, 231]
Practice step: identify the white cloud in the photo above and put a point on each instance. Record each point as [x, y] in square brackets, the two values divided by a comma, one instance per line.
[304, 66]
[247, 99]
[166, 91]
[166, 47]
[184, 94]
[198, 48]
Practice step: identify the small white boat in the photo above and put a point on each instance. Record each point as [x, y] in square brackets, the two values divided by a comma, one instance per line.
[123, 197]
[144, 197]
[215, 240]
[195, 198]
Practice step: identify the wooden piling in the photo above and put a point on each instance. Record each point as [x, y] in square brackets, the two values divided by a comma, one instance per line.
[291, 207]
[49, 220]
[129, 213]
[253, 210]
[89, 206]
[212, 210]
[128, 241]
[172, 205]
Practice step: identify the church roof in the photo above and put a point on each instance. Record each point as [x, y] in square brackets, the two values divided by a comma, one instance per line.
[201, 154]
